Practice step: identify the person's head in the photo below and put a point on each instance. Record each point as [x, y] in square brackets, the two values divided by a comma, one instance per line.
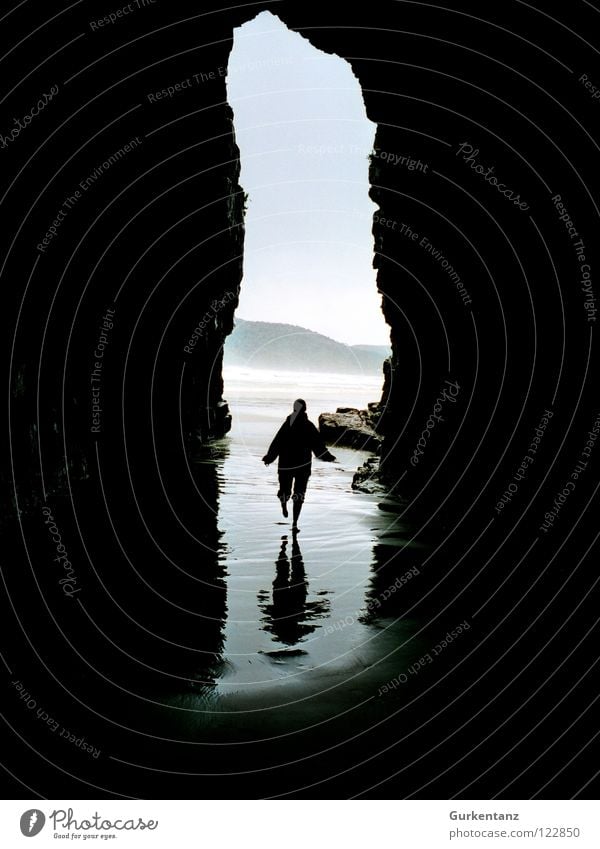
[299, 406]
[299, 410]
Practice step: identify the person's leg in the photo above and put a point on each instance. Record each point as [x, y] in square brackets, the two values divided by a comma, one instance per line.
[300, 484]
[298, 501]
[285, 491]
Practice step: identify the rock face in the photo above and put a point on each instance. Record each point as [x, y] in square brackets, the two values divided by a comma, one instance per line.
[350, 428]
[353, 428]
[367, 477]
[185, 226]
[194, 212]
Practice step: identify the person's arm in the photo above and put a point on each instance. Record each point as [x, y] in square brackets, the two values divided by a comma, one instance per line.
[274, 447]
[319, 448]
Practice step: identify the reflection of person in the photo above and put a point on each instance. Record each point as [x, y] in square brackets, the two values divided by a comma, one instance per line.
[294, 443]
[287, 617]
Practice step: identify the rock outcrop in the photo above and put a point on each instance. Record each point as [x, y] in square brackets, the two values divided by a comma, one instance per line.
[367, 477]
[350, 428]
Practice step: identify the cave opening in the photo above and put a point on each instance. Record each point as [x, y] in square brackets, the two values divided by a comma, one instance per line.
[309, 324]
[309, 321]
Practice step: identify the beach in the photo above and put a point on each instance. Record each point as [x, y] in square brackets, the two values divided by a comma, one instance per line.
[303, 638]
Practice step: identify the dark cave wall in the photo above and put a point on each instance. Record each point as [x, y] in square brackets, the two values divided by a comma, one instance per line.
[158, 240]
[170, 232]
[448, 249]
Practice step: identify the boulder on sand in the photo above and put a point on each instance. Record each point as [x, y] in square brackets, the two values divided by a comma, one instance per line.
[350, 428]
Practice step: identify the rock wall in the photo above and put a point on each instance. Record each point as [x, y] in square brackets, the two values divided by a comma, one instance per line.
[160, 240]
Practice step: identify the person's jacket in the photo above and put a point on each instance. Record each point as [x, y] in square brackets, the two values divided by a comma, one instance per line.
[295, 442]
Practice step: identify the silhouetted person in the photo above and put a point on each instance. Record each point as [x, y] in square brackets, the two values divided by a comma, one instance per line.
[294, 443]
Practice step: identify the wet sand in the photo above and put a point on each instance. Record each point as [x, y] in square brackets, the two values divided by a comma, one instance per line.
[299, 645]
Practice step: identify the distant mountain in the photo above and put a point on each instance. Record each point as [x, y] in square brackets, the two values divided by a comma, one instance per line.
[286, 347]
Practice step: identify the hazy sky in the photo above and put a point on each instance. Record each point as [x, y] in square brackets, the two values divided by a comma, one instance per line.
[304, 138]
